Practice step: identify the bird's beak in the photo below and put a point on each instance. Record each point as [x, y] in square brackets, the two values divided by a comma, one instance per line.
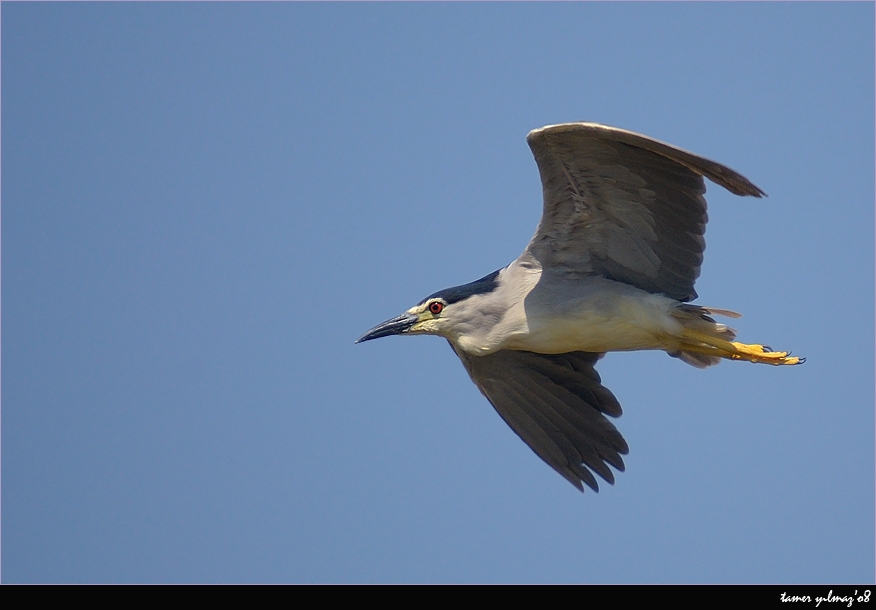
[396, 326]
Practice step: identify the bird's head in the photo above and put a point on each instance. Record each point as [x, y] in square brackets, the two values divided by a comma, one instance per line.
[426, 318]
[447, 313]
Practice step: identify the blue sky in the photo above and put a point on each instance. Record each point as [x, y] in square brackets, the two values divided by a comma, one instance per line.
[204, 205]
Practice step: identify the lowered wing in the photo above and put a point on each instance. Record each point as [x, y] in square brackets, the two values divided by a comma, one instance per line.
[558, 406]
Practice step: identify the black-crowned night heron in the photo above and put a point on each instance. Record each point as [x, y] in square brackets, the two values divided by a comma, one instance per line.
[610, 268]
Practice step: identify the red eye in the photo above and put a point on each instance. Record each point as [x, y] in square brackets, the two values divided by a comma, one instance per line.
[435, 307]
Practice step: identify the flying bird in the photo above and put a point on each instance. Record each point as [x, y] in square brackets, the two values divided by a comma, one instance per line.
[611, 267]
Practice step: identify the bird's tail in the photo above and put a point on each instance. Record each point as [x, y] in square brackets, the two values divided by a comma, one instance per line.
[703, 342]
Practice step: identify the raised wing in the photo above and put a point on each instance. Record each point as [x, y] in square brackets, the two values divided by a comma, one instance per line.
[624, 206]
[557, 405]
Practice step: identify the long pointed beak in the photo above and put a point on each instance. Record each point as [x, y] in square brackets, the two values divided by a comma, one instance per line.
[396, 326]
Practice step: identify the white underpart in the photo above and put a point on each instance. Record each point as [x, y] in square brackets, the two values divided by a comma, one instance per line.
[621, 322]
[555, 315]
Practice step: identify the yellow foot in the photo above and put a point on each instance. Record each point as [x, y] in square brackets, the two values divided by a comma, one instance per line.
[761, 353]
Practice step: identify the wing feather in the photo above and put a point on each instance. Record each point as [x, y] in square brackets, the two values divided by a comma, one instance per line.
[558, 406]
[625, 206]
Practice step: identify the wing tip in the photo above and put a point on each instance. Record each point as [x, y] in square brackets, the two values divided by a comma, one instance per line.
[583, 473]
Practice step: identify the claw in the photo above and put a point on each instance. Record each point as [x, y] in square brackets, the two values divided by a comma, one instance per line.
[703, 343]
[760, 353]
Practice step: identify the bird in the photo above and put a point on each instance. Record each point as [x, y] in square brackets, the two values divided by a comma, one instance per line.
[611, 267]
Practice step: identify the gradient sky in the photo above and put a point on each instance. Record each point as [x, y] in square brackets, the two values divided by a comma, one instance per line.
[204, 205]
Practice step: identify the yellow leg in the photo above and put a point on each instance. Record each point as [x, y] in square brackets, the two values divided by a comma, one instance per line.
[701, 343]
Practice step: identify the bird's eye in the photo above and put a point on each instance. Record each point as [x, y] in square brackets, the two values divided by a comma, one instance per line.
[436, 307]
